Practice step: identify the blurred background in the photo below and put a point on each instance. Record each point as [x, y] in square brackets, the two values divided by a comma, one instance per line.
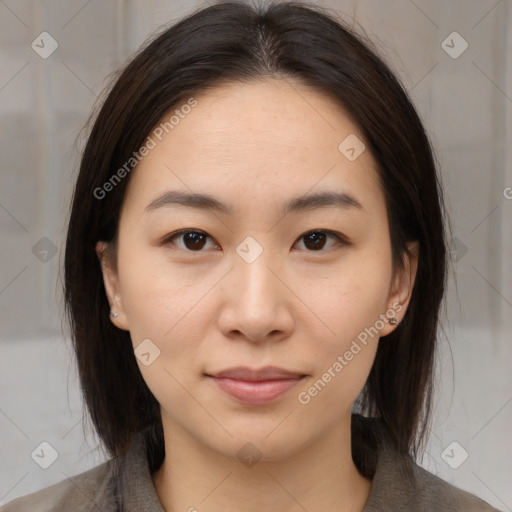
[455, 60]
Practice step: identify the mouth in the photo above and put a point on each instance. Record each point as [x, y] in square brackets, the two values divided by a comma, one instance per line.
[256, 387]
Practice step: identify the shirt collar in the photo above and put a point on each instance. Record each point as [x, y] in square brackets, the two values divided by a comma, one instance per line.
[371, 449]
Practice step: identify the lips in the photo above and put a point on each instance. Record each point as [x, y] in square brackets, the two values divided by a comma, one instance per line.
[256, 387]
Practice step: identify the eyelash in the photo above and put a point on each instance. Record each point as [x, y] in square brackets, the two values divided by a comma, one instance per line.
[338, 236]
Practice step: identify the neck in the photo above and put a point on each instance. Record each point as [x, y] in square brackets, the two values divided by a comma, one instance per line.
[321, 476]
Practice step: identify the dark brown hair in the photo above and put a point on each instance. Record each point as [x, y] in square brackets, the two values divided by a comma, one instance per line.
[236, 42]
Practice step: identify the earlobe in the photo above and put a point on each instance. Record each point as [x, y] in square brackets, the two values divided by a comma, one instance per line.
[111, 284]
[401, 289]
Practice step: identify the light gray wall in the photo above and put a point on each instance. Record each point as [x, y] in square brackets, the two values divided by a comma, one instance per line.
[466, 105]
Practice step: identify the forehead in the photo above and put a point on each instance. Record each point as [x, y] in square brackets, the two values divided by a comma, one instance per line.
[276, 136]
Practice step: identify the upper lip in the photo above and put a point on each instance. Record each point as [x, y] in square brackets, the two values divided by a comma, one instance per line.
[249, 374]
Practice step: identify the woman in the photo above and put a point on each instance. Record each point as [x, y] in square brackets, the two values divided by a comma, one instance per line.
[254, 268]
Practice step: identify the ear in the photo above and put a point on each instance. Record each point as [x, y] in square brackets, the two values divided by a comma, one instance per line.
[401, 288]
[111, 282]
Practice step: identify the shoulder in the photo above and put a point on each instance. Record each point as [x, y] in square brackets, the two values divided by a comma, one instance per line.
[123, 482]
[399, 484]
[429, 492]
[80, 493]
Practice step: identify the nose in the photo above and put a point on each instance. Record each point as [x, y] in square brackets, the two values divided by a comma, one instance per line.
[256, 303]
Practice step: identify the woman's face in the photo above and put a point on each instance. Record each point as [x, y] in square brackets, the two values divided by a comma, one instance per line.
[271, 280]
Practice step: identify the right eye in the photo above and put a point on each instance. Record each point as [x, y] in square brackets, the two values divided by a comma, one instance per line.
[191, 240]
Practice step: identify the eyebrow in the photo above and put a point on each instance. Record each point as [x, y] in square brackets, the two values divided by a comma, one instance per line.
[322, 199]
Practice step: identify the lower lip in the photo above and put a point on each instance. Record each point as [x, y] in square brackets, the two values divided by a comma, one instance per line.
[255, 392]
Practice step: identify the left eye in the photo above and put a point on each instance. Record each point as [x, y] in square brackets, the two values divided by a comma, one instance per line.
[195, 241]
[315, 240]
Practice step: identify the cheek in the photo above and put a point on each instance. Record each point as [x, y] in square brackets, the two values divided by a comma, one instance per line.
[170, 307]
[342, 361]
[165, 308]
[352, 299]
[346, 339]
[156, 297]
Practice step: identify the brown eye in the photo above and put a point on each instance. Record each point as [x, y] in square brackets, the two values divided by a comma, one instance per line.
[316, 240]
[193, 241]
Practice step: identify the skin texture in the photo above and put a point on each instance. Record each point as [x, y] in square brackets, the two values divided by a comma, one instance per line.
[254, 146]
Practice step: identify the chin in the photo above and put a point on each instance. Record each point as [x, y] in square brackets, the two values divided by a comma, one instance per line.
[254, 440]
